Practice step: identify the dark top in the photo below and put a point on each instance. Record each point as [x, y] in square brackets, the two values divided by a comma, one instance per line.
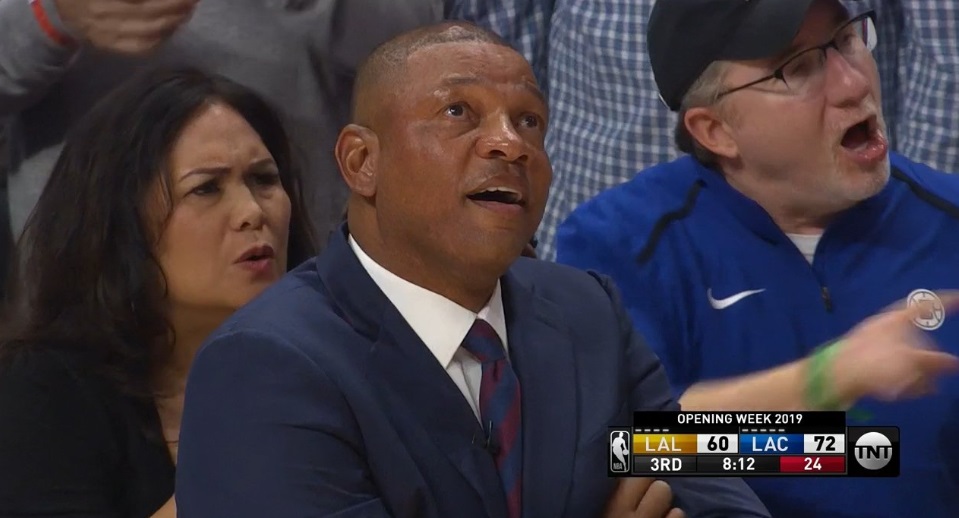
[72, 446]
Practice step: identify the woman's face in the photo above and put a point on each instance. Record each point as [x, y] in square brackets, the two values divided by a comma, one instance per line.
[228, 227]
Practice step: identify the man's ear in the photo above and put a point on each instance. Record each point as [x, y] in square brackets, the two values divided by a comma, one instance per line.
[357, 153]
[707, 128]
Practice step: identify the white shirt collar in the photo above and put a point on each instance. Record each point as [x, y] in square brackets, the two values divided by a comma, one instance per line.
[441, 323]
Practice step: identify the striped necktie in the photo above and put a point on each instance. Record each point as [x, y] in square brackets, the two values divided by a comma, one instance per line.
[499, 406]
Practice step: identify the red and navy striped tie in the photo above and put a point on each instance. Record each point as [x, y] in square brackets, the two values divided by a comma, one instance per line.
[499, 406]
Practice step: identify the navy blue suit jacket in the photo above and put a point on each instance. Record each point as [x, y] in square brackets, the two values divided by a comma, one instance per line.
[317, 399]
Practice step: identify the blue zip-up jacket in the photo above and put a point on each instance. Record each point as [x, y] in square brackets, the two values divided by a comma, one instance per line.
[681, 243]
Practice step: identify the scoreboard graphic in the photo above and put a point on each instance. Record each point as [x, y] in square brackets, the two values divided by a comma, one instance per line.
[751, 444]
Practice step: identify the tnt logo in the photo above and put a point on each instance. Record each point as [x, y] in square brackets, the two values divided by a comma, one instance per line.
[875, 451]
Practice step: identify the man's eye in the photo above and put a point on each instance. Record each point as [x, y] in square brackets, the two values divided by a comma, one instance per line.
[456, 110]
[531, 121]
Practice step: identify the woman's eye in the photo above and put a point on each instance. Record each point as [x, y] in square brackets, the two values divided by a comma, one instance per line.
[267, 178]
[205, 188]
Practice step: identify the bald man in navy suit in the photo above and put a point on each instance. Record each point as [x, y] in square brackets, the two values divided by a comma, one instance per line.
[420, 367]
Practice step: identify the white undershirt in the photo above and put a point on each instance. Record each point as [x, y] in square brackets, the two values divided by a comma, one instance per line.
[441, 323]
[806, 244]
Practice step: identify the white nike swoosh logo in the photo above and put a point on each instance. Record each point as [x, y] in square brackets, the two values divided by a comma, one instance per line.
[729, 301]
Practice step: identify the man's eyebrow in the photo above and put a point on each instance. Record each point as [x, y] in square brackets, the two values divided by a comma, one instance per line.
[469, 80]
[532, 88]
[839, 19]
[794, 50]
[461, 80]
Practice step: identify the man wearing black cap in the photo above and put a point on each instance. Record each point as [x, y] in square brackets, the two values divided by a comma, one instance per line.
[789, 225]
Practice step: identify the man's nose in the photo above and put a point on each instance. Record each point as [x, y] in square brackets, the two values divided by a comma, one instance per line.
[847, 80]
[501, 140]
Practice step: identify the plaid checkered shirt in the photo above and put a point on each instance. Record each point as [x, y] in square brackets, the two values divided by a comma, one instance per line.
[607, 119]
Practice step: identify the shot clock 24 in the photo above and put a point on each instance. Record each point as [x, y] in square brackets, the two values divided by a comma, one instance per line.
[663, 444]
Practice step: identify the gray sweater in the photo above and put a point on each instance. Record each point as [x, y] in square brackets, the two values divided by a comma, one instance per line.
[300, 54]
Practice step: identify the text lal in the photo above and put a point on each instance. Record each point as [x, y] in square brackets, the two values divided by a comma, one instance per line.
[666, 443]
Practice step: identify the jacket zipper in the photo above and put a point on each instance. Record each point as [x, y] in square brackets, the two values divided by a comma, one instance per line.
[826, 298]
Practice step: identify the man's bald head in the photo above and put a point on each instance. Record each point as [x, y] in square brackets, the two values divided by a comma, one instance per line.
[388, 61]
[444, 116]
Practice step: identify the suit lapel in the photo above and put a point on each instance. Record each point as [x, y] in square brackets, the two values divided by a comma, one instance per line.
[415, 389]
[408, 376]
[543, 357]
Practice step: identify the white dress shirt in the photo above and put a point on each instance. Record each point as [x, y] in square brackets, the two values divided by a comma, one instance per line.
[440, 323]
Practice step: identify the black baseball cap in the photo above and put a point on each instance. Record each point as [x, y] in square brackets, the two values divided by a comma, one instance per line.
[685, 36]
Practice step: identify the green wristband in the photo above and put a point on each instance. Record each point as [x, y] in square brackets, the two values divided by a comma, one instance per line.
[819, 394]
[819, 390]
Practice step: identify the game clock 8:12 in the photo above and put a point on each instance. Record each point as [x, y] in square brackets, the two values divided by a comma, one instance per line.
[738, 464]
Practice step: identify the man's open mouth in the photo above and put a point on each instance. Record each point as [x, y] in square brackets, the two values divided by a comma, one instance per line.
[865, 143]
[498, 195]
[861, 134]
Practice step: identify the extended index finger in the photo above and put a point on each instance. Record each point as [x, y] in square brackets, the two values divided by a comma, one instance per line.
[910, 310]
[937, 362]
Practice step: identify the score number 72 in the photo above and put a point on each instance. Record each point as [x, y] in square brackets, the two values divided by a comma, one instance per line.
[828, 440]
[824, 443]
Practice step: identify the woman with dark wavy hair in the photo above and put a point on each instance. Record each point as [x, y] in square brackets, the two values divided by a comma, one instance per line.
[174, 202]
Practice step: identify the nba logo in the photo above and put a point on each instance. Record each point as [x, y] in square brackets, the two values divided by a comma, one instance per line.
[619, 452]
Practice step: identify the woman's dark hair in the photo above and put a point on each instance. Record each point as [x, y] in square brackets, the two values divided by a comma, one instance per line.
[85, 275]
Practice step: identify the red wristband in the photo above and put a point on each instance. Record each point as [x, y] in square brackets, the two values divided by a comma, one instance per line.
[41, 16]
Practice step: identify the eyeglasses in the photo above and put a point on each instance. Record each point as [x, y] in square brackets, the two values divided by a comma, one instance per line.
[803, 72]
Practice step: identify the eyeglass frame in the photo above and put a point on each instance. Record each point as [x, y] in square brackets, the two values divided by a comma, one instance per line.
[824, 48]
